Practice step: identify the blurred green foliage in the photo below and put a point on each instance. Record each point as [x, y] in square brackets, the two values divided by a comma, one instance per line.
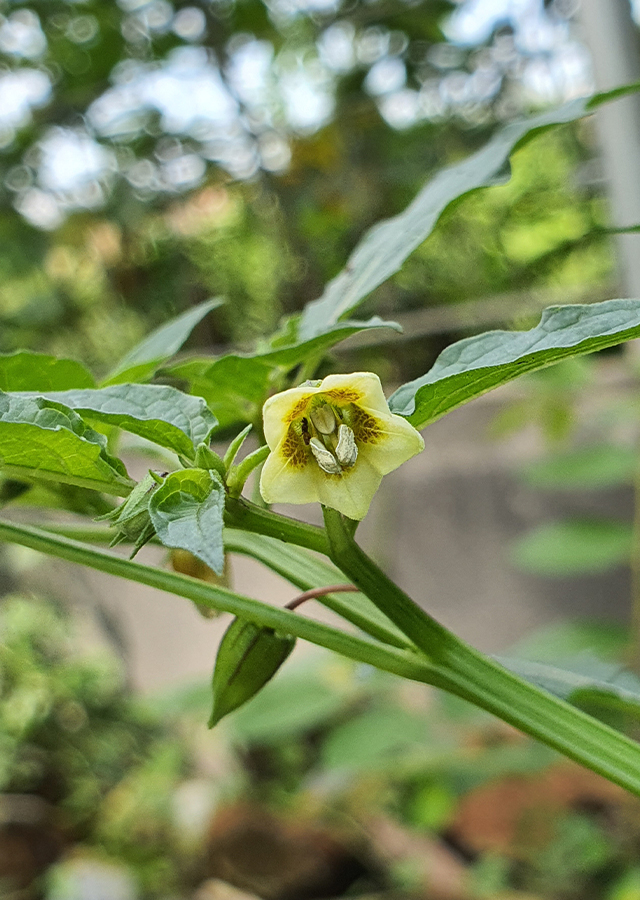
[135, 813]
[273, 205]
[72, 735]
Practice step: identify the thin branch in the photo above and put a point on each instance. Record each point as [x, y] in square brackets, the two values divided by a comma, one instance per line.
[314, 593]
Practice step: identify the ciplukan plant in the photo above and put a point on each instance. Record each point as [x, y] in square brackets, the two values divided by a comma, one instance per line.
[326, 441]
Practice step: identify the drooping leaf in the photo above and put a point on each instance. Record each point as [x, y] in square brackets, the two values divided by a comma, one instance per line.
[159, 413]
[573, 548]
[476, 365]
[187, 511]
[26, 371]
[587, 682]
[386, 246]
[43, 440]
[248, 657]
[163, 343]
[596, 467]
[306, 572]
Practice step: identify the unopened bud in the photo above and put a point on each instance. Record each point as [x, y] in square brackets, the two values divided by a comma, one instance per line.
[248, 657]
[346, 450]
[131, 519]
[325, 459]
[324, 419]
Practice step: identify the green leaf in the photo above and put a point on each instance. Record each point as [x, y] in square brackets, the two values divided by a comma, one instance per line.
[562, 640]
[157, 412]
[236, 385]
[573, 548]
[306, 572]
[585, 682]
[248, 657]
[299, 700]
[233, 387]
[25, 371]
[375, 739]
[163, 343]
[331, 335]
[476, 365]
[587, 467]
[43, 440]
[387, 245]
[187, 512]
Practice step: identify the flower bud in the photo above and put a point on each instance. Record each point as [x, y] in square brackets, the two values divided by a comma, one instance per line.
[132, 519]
[248, 657]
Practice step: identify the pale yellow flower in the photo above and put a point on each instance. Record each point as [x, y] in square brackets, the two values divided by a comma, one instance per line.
[332, 441]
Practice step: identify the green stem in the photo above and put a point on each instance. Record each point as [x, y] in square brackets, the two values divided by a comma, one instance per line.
[248, 544]
[397, 661]
[463, 671]
[238, 475]
[249, 517]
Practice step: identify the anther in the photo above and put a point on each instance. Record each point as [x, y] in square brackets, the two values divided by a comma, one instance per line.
[323, 419]
[346, 449]
[325, 459]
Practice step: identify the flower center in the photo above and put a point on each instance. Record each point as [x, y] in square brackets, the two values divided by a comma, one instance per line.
[332, 443]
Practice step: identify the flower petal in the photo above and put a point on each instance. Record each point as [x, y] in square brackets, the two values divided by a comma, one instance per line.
[397, 441]
[352, 492]
[365, 384]
[283, 482]
[279, 410]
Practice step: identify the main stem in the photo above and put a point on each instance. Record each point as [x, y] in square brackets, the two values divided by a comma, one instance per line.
[463, 671]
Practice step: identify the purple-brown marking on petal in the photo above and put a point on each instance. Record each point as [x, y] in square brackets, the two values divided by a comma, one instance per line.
[294, 449]
[343, 395]
[299, 409]
[365, 428]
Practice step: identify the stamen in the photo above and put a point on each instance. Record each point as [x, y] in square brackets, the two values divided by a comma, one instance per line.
[346, 449]
[325, 459]
[323, 419]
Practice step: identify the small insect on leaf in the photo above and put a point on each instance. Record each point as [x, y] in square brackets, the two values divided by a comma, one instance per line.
[248, 657]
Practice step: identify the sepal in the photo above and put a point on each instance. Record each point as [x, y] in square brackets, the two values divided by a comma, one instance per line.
[248, 657]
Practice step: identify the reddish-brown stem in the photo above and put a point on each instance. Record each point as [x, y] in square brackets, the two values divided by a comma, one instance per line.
[321, 592]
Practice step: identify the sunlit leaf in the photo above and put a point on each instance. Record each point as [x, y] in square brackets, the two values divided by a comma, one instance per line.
[163, 343]
[159, 413]
[476, 365]
[187, 512]
[43, 440]
[386, 246]
[26, 371]
[573, 548]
